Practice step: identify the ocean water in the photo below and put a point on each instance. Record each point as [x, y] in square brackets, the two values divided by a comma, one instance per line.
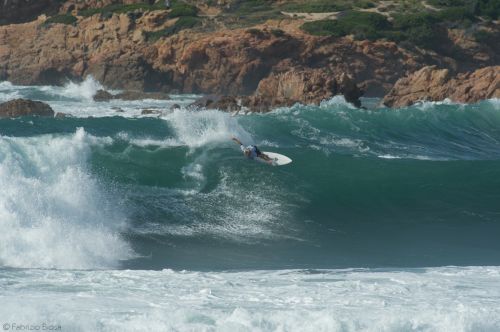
[387, 219]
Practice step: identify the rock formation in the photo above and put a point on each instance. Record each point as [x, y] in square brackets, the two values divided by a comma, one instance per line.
[102, 95]
[274, 63]
[433, 84]
[23, 107]
[116, 51]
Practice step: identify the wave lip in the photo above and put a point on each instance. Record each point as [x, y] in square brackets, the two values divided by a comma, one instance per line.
[53, 213]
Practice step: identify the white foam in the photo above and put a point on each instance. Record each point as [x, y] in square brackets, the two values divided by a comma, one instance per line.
[495, 102]
[431, 105]
[435, 299]
[53, 213]
[6, 85]
[83, 90]
[338, 100]
[203, 128]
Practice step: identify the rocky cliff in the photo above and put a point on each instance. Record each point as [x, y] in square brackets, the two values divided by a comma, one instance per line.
[116, 51]
[146, 50]
[433, 84]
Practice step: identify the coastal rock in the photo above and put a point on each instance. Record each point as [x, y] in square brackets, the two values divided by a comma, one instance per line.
[118, 51]
[226, 62]
[150, 111]
[71, 5]
[433, 84]
[102, 95]
[205, 101]
[24, 107]
[308, 86]
[139, 95]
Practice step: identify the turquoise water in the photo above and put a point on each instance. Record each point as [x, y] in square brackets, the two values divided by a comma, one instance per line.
[390, 191]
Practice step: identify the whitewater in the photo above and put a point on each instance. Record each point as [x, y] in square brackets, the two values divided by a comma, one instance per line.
[387, 220]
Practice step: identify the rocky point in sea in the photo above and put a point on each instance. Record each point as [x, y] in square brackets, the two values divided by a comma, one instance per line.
[24, 107]
[434, 84]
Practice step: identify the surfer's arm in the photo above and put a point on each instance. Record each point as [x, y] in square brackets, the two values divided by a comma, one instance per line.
[237, 141]
[265, 157]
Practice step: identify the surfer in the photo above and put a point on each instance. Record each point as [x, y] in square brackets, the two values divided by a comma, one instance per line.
[252, 151]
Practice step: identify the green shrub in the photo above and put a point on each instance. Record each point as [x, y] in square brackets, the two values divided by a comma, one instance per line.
[446, 3]
[250, 7]
[323, 28]
[488, 8]
[485, 37]
[316, 6]
[121, 8]
[62, 19]
[408, 21]
[363, 25]
[184, 22]
[365, 4]
[456, 14]
[277, 33]
[182, 9]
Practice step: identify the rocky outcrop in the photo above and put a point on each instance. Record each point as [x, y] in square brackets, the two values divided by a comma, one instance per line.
[139, 95]
[23, 107]
[308, 86]
[72, 5]
[433, 84]
[116, 51]
[102, 95]
[305, 86]
[263, 62]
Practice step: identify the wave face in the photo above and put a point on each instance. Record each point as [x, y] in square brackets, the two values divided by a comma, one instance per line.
[102, 213]
[372, 187]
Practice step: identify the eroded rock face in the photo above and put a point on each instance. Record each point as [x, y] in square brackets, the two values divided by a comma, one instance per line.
[433, 84]
[139, 95]
[308, 86]
[102, 95]
[71, 5]
[116, 51]
[24, 107]
[229, 62]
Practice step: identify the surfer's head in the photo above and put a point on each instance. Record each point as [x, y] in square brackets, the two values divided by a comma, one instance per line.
[247, 152]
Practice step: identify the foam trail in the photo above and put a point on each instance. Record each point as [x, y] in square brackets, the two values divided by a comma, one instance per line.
[437, 299]
[52, 212]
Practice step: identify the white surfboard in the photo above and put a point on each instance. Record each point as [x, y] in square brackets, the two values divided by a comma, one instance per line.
[277, 159]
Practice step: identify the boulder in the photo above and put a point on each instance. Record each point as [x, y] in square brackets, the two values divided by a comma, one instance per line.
[102, 95]
[139, 95]
[150, 111]
[433, 84]
[307, 86]
[24, 107]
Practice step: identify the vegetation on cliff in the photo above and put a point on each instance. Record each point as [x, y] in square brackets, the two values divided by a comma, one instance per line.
[62, 19]
[426, 29]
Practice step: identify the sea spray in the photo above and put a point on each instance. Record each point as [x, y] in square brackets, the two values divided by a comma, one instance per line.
[83, 90]
[53, 213]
